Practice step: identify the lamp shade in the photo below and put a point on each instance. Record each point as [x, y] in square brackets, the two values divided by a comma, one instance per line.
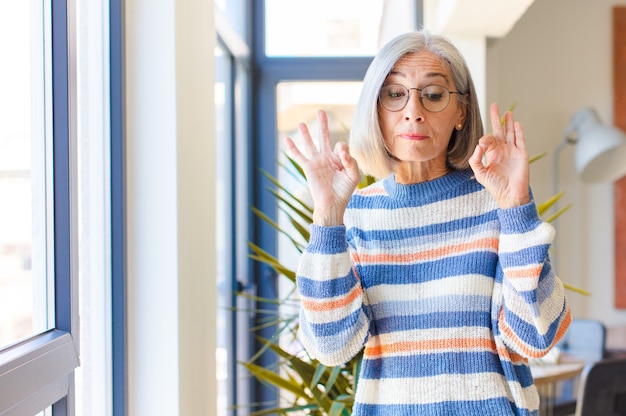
[600, 150]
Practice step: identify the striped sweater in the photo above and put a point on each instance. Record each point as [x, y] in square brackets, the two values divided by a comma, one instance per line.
[449, 295]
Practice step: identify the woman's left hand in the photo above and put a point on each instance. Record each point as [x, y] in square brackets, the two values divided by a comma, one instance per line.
[505, 173]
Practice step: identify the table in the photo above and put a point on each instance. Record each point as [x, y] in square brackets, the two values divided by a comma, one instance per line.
[546, 377]
[546, 374]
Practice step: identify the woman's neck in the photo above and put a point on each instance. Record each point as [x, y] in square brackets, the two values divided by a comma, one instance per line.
[408, 173]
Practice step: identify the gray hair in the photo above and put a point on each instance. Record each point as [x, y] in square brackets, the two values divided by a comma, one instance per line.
[366, 140]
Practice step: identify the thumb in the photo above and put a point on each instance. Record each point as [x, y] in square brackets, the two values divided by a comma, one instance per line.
[349, 163]
[476, 160]
[351, 166]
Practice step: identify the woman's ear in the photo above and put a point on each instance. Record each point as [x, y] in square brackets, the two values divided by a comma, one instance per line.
[462, 118]
[459, 125]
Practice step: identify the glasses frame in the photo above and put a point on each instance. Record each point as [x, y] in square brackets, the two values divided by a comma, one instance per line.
[408, 96]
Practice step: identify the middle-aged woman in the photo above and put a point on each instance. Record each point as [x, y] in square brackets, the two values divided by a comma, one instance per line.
[440, 269]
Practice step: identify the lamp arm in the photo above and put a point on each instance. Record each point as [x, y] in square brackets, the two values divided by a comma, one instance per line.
[570, 138]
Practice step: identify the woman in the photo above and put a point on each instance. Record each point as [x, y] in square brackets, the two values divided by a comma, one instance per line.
[440, 269]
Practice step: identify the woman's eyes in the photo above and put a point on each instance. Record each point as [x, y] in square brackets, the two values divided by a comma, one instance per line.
[432, 96]
[396, 94]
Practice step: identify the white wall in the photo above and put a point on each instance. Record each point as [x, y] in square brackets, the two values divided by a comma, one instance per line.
[170, 214]
[557, 59]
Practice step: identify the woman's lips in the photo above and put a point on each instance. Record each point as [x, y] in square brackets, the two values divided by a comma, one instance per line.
[413, 136]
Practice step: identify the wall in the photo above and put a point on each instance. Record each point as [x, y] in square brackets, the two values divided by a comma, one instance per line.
[556, 60]
[170, 214]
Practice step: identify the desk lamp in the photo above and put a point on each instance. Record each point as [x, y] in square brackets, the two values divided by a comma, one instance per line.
[600, 154]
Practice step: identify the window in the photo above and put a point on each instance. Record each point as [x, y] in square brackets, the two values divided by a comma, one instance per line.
[232, 106]
[298, 101]
[290, 90]
[93, 379]
[225, 321]
[25, 155]
[38, 354]
[331, 28]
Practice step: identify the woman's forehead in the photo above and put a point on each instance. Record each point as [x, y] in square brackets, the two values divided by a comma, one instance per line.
[424, 64]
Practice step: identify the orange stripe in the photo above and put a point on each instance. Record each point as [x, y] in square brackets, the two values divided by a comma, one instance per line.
[328, 305]
[429, 345]
[522, 346]
[532, 271]
[567, 320]
[512, 356]
[485, 243]
[371, 191]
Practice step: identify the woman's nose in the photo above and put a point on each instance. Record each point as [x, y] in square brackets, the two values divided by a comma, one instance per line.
[414, 110]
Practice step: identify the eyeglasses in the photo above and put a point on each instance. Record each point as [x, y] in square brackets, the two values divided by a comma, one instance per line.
[434, 98]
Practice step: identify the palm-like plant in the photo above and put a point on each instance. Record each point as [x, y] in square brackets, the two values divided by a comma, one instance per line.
[307, 386]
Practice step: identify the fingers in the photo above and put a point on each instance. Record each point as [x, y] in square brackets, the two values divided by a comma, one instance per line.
[347, 161]
[308, 150]
[294, 151]
[496, 125]
[510, 131]
[509, 128]
[476, 160]
[308, 143]
[520, 140]
[477, 156]
[325, 139]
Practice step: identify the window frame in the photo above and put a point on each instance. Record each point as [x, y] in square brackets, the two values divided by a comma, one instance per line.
[237, 50]
[118, 210]
[269, 72]
[26, 387]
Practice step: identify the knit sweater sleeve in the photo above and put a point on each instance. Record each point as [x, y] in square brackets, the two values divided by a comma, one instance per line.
[333, 322]
[534, 312]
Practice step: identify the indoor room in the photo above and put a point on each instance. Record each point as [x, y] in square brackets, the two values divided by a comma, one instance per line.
[155, 224]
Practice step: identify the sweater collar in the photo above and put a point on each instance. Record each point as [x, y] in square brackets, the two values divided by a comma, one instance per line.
[428, 189]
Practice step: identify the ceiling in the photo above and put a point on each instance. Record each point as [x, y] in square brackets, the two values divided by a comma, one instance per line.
[488, 18]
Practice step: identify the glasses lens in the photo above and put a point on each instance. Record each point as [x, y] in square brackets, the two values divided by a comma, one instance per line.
[435, 98]
[393, 97]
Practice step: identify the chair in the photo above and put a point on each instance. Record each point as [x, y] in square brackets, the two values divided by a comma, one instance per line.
[603, 389]
[586, 339]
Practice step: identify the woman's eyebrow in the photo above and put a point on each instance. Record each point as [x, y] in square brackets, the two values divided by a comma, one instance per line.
[429, 75]
[432, 75]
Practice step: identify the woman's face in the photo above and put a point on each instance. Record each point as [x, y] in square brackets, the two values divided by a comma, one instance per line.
[414, 135]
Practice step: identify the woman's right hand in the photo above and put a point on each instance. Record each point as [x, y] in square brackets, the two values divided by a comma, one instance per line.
[332, 175]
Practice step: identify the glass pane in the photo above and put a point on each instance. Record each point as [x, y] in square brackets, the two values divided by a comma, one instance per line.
[237, 14]
[92, 381]
[24, 131]
[232, 160]
[241, 209]
[322, 27]
[299, 102]
[47, 412]
[223, 139]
